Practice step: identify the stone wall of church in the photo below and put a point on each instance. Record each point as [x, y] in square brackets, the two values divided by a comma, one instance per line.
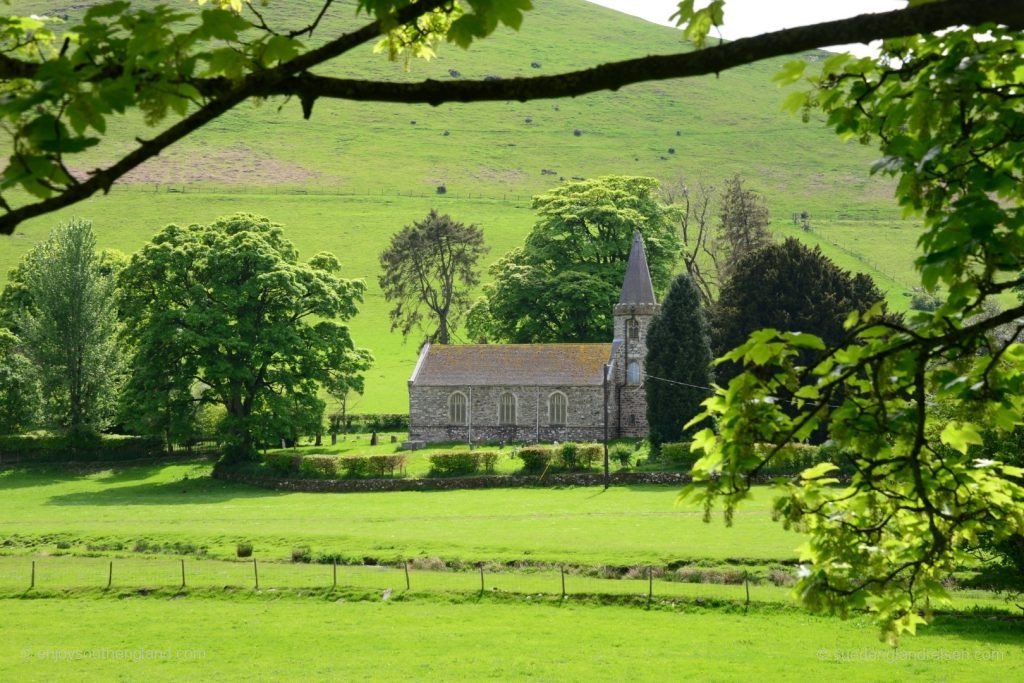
[429, 414]
[630, 414]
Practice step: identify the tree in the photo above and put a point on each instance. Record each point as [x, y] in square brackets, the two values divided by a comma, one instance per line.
[743, 223]
[561, 285]
[678, 362]
[19, 391]
[431, 264]
[69, 328]
[60, 89]
[944, 110]
[225, 313]
[790, 287]
[702, 252]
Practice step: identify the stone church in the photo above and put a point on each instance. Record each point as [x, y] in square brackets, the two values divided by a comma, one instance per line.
[483, 393]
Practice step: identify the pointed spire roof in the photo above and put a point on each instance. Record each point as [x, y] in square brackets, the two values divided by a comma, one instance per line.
[636, 286]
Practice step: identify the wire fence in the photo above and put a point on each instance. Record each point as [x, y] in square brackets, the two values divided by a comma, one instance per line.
[58, 573]
[442, 192]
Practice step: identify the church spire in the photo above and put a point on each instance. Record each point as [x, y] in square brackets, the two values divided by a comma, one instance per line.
[636, 286]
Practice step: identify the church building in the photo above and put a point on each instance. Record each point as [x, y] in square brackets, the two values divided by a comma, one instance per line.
[485, 393]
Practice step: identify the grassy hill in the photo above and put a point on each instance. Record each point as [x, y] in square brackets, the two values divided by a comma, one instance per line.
[354, 173]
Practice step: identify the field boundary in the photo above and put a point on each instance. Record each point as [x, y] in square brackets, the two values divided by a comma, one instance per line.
[454, 483]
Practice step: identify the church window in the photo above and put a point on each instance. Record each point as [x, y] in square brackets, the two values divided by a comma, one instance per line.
[558, 406]
[633, 330]
[507, 409]
[633, 372]
[457, 408]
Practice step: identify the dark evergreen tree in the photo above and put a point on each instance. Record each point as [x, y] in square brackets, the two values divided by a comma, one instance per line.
[788, 287]
[678, 360]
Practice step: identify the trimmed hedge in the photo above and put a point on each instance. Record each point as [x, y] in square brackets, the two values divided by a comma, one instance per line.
[372, 422]
[459, 463]
[319, 466]
[535, 458]
[104, 447]
[589, 455]
[283, 464]
[679, 454]
[355, 466]
[380, 465]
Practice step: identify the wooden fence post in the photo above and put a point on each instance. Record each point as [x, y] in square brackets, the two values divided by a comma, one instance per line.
[563, 582]
[183, 573]
[481, 579]
[746, 583]
[256, 573]
[335, 585]
[33, 584]
[407, 585]
[110, 575]
[650, 585]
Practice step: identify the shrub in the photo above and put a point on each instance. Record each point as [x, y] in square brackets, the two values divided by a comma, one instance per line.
[58, 448]
[679, 454]
[577, 132]
[301, 554]
[454, 463]
[441, 189]
[283, 464]
[488, 459]
[319, 466]
[244, 549]
[355, 466]
[379, 465]
[621, 453]
[535, 458]
[792, 459]
[568, 454]
[589, 455]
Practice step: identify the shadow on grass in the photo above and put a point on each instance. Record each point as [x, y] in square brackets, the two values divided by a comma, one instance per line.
[204, 491]
[990, 628]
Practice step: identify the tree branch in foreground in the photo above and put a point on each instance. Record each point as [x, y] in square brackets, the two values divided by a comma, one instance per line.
[291, 78]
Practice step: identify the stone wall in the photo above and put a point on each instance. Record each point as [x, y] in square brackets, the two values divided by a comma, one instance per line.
[454, 483]
[429, 419]
[630, 414]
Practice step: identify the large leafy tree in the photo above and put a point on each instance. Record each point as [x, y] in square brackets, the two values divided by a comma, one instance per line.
[68, 323]
[945, 111]
[560, 286]
[431, 265]
[678, 362]
[193, 61]
[19, 391]
[226, 313]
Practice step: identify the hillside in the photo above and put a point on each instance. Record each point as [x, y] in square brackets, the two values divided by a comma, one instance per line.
[354, 173]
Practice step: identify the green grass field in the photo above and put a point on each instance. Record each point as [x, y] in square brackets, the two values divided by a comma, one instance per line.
[137, 526]
[281, 638]
[179, 504]
[372, 152]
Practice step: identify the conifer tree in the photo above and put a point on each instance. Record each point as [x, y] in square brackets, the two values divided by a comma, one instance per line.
[678, 360]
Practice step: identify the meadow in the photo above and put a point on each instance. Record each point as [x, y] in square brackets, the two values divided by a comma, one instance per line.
[139, 526]
[281, 637]
[355, 173]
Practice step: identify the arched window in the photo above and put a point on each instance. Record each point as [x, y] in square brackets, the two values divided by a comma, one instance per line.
[457, 408]
[633, 330]
[633, 372]
[558, 406]
[507, 409]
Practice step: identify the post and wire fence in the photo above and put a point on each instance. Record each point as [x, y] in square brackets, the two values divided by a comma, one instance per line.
[19, 574]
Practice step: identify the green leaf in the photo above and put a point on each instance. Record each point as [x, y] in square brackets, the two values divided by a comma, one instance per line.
[791, 72]
[960, 436]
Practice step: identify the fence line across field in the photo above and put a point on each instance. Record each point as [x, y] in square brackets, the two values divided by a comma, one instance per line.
[21, 573]
[849, 214]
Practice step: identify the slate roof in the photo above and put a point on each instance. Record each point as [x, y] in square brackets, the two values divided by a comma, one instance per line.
[511, 365]
[636, 286]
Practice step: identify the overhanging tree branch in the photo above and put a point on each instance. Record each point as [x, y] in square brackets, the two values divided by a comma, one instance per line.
[292, 77]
